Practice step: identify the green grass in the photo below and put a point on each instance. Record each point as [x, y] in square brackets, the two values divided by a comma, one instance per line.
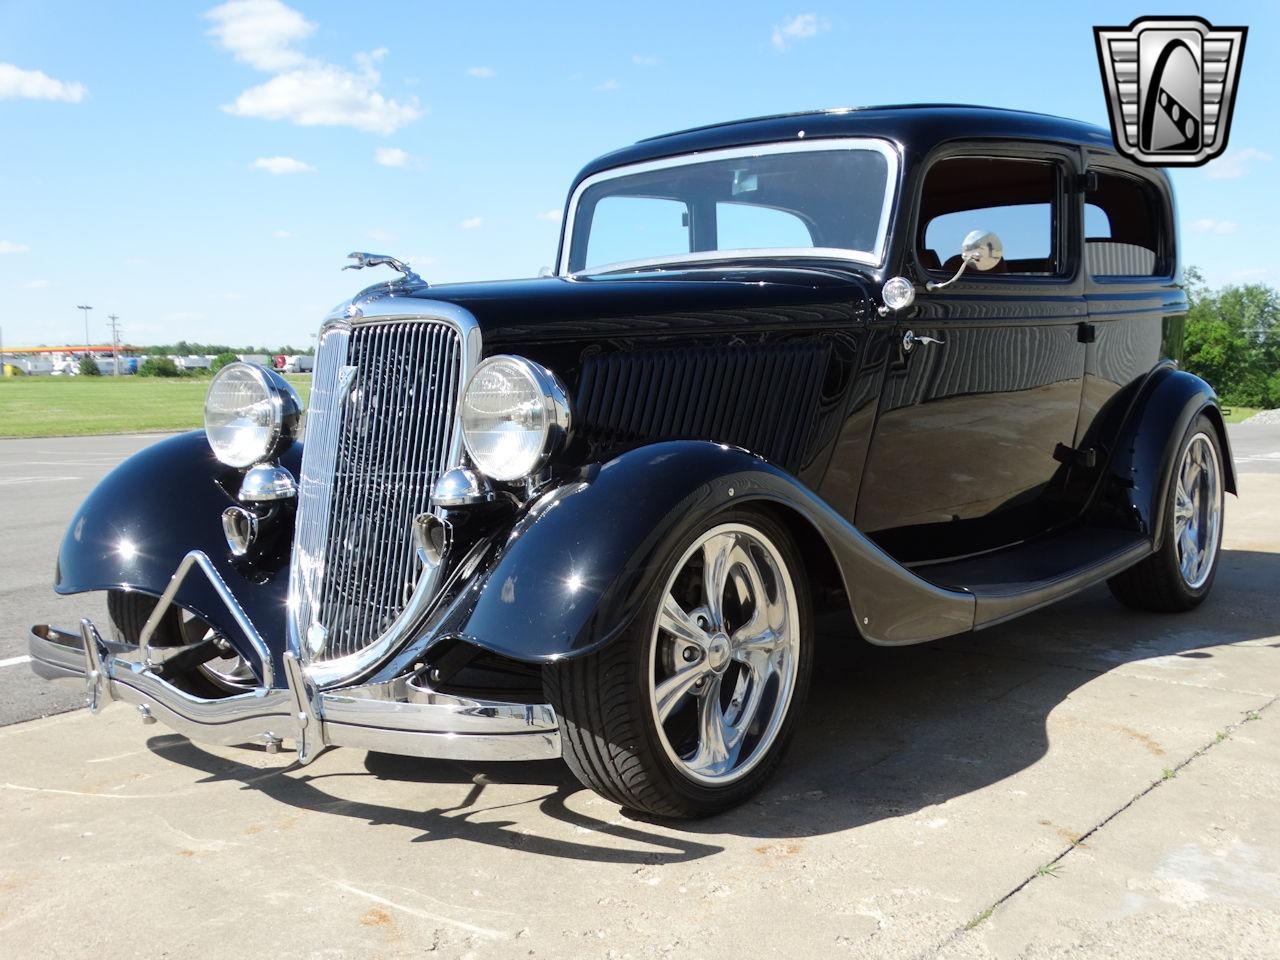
[85, 406]
[1238, 414]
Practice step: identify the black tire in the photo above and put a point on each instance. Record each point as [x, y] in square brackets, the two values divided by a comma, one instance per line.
[129, 612]
[1158, 584]
[609, 731]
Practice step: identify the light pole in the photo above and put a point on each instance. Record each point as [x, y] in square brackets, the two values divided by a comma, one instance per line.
[86, 327]
[115, 342]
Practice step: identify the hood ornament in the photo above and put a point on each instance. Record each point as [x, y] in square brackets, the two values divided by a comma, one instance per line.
[363, 260]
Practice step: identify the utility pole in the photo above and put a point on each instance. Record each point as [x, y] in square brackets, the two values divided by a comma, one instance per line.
[86, 310]
[115, 341]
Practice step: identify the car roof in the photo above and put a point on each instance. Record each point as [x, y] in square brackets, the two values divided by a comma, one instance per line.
[917, 127]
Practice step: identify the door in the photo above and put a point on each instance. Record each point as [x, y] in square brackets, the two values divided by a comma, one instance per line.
[1135, 306]
[970, 449]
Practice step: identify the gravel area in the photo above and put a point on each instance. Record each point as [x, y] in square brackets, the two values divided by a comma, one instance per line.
[1265, 417]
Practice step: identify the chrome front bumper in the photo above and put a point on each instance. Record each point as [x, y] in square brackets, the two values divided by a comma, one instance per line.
[402, 716]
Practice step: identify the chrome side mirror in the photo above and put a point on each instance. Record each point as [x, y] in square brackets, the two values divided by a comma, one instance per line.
[981, 249]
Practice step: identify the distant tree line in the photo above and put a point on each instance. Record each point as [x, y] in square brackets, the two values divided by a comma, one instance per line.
[186, 348]
[1233, 340]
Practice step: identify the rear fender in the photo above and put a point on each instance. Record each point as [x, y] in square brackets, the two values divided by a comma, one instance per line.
[1143, 462]
[138, 524]
[577, 568]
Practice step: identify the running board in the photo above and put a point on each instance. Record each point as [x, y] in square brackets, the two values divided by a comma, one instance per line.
[1019, 579]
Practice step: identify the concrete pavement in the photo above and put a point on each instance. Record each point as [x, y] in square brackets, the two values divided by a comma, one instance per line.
[1084, 781]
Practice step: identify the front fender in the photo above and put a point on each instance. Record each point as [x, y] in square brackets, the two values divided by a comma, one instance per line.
[577, 568]
[1142, 465]
[163, 502]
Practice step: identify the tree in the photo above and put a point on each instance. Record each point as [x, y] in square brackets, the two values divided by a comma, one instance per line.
[221, 360]
[1233, 340]
[89, 367]
[158, 367]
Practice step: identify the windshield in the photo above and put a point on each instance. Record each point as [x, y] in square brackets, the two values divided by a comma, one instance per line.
[821, 198]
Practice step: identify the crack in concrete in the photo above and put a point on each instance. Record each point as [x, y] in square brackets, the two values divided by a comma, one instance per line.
[1047, 869]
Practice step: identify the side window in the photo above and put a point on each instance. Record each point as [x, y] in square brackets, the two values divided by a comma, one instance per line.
[1123, 224]
[749, 226]
[1016, 199]
[631, 228]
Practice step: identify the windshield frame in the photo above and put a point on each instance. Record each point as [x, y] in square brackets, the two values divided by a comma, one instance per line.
[871, 258]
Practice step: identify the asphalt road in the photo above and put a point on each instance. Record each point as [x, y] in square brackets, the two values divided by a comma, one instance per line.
[42, 481]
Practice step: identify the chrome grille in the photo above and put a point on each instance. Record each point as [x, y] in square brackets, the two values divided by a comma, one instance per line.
[380, 430]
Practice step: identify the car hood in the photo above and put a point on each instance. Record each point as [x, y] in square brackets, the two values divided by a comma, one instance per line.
[516, 311]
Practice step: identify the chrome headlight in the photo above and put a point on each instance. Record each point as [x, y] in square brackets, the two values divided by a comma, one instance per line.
[250, 414]
[514, 414]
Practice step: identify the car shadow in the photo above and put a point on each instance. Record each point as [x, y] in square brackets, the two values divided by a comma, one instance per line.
[885, 732]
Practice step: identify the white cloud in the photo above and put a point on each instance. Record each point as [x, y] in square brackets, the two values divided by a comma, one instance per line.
[391, 157]
[481, 73]
[607, 87]
[419, 261]
[1250, 274]
[36, 284]
[279, 165]
[282, 234]
[8, 246]
[19, 84]
[1235, 164]
[551, 215]
[378, 235]
[800, 27]
[471, 223]
[641, 60]
[322, 95]
[260, 33]
[1215, 226]
[304, 90]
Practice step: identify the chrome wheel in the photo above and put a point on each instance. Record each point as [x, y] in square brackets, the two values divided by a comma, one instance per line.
[1197, 511]
[724, 654]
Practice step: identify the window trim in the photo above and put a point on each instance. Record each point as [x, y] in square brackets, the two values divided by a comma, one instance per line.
[1066, 165]
[871, 258]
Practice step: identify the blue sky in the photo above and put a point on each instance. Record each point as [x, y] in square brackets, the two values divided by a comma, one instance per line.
[201, 170]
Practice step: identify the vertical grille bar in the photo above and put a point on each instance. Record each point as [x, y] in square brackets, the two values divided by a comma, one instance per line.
[379, 431]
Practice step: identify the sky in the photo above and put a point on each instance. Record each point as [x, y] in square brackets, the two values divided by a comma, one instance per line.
[201, 170]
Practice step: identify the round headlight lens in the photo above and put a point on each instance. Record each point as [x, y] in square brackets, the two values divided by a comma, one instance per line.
[514, 412]
[248, 412]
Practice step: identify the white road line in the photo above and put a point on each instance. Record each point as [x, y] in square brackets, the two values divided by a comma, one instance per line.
[16, 480]
[14, 661]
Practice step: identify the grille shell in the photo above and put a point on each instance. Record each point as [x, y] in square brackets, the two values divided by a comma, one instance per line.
[381, 427]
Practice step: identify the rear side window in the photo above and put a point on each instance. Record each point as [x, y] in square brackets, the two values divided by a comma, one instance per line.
[1124, 224]
[1015, 199]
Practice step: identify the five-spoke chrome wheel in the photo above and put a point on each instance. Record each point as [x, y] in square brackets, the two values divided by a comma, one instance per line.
[1197, 510]
[724, 654]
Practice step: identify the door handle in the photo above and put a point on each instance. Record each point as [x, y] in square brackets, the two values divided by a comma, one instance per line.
[909, 341]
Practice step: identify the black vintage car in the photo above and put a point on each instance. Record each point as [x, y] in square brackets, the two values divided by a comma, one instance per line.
[918, 364]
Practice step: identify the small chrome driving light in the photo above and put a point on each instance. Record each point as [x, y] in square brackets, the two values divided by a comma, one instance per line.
[514, 415]
[898, 293]
[250, 414]
[460, 487]
[266, 482]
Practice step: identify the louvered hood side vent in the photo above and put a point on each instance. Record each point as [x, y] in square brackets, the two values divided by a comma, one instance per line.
[762, 398]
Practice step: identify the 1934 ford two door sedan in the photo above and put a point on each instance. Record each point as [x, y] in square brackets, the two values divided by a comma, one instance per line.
[916, 362]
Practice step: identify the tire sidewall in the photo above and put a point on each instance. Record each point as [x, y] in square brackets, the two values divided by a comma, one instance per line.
[702, 798]
[1169, 547]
